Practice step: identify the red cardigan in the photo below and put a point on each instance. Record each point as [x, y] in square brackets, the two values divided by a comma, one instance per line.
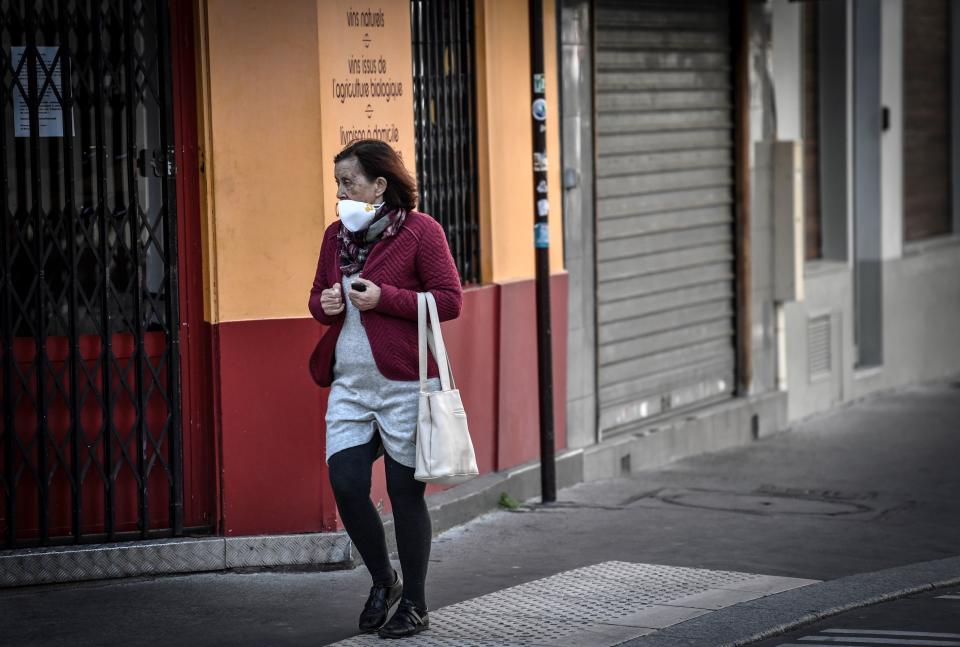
[417, 259]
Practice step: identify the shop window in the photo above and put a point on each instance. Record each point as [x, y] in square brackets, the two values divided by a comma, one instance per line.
[811, 135]
[445, 124]
[826, 116]
[90, 436]
[86, 167]
[926, 122]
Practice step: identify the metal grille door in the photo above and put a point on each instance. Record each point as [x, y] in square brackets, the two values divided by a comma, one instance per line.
[665, 248]
[445, 123]
[90, 444]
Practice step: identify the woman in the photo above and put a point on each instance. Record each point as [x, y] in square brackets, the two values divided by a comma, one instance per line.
[373, 262]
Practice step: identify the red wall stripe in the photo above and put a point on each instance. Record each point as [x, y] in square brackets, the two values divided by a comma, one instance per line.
[274, 476]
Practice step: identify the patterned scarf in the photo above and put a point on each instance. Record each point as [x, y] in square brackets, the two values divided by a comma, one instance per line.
[356, 246]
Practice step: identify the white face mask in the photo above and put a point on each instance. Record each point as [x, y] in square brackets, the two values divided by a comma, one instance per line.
[356, 216]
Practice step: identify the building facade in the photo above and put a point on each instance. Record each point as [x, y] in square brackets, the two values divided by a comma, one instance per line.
[760, 217]
[164, 212]
[753, 219]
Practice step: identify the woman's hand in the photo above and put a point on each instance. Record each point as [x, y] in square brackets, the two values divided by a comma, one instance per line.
[368, 299]
[332, 301]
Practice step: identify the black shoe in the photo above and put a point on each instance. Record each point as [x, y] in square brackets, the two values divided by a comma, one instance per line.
[382, 598]
[407, 621]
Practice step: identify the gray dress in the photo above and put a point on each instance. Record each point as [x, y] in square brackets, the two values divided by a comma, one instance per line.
[362, 400]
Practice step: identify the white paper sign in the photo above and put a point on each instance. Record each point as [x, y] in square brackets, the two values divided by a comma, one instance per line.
[49, 110]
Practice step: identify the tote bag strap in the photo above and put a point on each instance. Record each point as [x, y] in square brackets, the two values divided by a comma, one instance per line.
[433, 342]
[422, 338]
[439, 348]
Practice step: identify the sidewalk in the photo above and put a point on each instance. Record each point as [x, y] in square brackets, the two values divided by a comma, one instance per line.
[840, 499]
[643, 605]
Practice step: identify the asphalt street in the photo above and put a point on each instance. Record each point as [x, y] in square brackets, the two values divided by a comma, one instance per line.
[868, 486]
[931, 618]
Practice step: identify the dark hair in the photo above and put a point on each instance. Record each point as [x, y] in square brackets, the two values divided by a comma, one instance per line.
[378, 159]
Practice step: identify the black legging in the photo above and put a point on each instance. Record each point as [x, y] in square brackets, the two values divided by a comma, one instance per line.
[350, 471]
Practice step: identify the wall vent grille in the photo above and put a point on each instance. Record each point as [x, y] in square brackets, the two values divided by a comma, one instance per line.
[819, 346]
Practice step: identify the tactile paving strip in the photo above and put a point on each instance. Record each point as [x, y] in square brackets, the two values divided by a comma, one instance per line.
[544, 611]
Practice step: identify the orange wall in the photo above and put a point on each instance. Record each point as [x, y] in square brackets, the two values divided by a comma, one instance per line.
[264, 165]
[263, 68]
[506, 140]
[338, 42]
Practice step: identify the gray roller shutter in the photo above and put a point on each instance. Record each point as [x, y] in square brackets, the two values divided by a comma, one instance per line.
[665, 248]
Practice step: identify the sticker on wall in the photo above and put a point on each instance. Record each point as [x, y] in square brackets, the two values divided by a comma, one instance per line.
[541, 235]
[539, 162]
[543, 208]
[542, 186]
[539, 84]
[540, 109]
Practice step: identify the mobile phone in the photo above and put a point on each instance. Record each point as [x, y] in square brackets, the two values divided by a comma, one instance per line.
[358, 286]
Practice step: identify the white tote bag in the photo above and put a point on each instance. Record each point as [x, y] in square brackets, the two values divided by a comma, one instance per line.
[444, 450]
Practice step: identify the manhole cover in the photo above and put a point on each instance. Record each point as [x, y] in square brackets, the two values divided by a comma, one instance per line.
[759, 503]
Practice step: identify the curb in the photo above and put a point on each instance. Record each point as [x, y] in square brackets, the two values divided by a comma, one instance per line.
[55, 565]
[748, 622]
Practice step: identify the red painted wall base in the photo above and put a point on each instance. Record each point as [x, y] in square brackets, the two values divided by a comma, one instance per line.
[270, 415]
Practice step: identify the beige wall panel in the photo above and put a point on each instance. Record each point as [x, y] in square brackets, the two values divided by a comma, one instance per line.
[274, 117]
[366, 80]
[264, 130]
[506, 141]
[555, 173]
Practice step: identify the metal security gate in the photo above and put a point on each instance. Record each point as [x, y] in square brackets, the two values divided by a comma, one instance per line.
[445, 122]
[665, 246]
[90, 442]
